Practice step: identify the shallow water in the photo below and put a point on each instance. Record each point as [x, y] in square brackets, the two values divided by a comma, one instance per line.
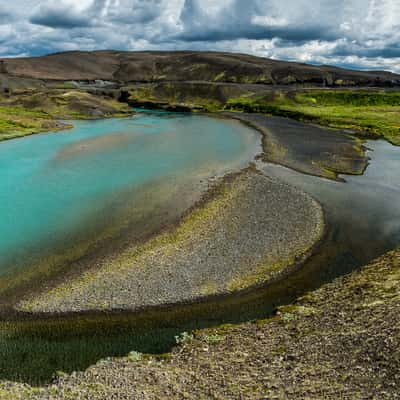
[363, 212]
[363, 216]
[58, 189]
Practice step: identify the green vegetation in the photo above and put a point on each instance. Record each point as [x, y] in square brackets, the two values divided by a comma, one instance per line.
[212, 339]
[189, 95]
[27, 112]
[33, 351]
[19, 121]
[372, 113]
[135, 356]
[184, 338]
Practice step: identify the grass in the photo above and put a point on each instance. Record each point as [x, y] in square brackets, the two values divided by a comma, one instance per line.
[36, 352]
[213, 339]
[30, 112]
[19, 121]
[372, 113]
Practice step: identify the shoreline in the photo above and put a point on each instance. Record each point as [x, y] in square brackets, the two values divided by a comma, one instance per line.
[208, 195]
[62, 125]
[293, 353]
[203, 191]
[209, 200]
[55, 129]
[64, 317]
[281, 153]
[222, 309]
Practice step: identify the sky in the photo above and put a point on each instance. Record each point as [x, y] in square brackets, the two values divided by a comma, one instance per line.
[360, 34]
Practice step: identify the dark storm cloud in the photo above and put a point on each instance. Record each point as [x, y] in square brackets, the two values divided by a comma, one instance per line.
[298, 35]
[60, 16]
[99, 12]
[56, 20]
[385, 50]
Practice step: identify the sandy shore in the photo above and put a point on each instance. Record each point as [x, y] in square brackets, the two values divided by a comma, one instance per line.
[250, 230]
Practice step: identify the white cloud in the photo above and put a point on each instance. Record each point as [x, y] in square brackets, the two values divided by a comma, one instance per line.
[354, 33]
[268, 21]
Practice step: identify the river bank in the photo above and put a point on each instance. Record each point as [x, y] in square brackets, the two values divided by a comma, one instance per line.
[27, 111]
[51, 341]
[342, 338]
[234, 257]
[306, 148]
[368, 113]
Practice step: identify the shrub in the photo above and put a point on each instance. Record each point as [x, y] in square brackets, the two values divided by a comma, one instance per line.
[183, 338]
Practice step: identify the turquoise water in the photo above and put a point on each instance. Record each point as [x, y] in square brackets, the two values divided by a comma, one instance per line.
[53, 186]
[363, 217]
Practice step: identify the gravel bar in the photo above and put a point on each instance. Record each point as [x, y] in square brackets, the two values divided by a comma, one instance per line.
[250, 229]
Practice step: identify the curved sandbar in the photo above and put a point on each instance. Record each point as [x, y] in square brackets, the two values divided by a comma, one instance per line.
[310, 149]
[82, 196]
[251, 229]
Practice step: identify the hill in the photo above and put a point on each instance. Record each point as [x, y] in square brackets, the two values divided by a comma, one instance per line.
[157, 66]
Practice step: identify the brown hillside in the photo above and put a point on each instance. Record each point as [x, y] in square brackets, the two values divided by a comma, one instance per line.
[118, 66]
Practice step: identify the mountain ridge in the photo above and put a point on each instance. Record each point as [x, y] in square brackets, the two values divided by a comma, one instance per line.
[161, 66]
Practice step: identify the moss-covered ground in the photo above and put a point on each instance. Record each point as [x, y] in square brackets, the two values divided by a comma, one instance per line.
[19, 121]
[27, 112]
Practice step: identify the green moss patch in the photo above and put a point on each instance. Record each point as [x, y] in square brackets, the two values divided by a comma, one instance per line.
[29, 112]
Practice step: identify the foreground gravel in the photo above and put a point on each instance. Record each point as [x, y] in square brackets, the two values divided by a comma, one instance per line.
[250, 229]
[339, 342]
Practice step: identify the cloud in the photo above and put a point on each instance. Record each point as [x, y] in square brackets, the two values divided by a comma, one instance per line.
[351, 33]
[93, 13]
[375, 48]
[129, 12]
[63, 14]
[259, 19]
[5, 16]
